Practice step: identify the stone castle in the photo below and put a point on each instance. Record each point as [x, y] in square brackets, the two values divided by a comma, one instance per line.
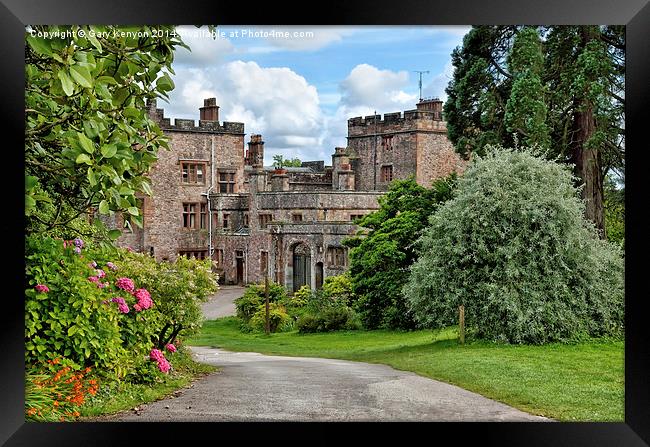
[213, 196]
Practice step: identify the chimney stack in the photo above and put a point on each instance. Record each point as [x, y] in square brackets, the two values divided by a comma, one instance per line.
[255, 153]
[431, 105]
[210, 110]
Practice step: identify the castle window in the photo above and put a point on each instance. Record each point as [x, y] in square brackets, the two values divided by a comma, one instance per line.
[386, 173]
[296, 217]
[189, 215]
[245, 220]
[193, 173]
[265, 219]
[226, 221]
[354, 217]
[196, 254]
[336, 256]
[387, 141]
[226, 182]
[204, 215]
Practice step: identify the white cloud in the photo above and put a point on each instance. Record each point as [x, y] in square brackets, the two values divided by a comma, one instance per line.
[276, 102]
[369, 86]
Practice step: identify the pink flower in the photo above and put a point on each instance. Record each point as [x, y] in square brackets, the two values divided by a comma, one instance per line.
[156, 355]
[123, 308]
[77, 250]
[79, 243]
[111, 266]
[125, 284]
[164, 365]
[144, 298]
[42, 288]
[170, 347]
[92, 265]
[93, 279]
[137, 307]
[100, 273]
[102, 285]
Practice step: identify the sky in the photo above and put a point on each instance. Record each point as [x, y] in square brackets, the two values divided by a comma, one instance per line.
[298, 86]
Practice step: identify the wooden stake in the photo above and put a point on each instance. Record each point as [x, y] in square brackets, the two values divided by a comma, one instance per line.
[461, 312]
[266, 302]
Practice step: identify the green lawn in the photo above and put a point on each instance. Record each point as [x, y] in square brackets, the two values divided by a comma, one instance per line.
[568, 382]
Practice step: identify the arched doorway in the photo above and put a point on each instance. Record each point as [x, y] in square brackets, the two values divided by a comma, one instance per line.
[301, 266]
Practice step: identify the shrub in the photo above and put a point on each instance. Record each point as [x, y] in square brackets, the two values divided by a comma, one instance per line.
[65, 313]
[514, 248]
[331, 318]
[178, 289]
[339, 288]
[279, 320]
[248, 304]
[380, 255]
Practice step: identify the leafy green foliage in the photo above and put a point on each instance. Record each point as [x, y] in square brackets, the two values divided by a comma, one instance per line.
[513, 247]
[339, 288]
[279, 320]
[280, 162]
[615, 212]
[248, 304]
[70, 320]
[526, 108]
[563, 84]
[329, 318]
[178, 288]
[88, 141]
[379, 259]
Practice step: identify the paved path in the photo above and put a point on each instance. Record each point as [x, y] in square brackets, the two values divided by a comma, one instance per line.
[256, 387]
[221, 303]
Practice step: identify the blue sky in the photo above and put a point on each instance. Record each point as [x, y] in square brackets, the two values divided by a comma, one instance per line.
[298, 92]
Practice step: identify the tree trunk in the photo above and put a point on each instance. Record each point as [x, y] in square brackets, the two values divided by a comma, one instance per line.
[587, 159]
[587, 162]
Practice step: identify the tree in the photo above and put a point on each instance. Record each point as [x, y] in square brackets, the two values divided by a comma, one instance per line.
[582, 83]
[280, 162]
[514, 248]
[379, 260]
[88, 140]
[615, 211]
[526, 108]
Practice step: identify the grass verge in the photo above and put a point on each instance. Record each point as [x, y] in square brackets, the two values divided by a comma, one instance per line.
[567, 382]
[119, 396]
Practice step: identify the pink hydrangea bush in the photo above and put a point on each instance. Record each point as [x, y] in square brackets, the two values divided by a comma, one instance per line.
[144, 299]
[170, 347]
[126, 284]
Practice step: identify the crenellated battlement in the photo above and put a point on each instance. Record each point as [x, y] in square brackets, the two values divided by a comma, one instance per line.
[189, 125]
[408, 121]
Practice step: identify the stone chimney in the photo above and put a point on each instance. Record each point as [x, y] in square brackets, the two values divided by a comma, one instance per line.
[342, 173]
[431, 105]
[280, 182]
[210, 110]
[255, 153]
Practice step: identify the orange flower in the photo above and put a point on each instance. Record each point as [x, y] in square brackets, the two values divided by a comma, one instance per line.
[31, 411]
[56, 403]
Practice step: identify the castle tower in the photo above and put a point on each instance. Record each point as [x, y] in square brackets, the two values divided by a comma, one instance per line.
[400, 145]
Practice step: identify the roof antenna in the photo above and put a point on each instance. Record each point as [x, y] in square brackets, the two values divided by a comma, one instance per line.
[421, 72]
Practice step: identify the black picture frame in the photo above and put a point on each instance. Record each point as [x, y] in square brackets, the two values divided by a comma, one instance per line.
[635, 14]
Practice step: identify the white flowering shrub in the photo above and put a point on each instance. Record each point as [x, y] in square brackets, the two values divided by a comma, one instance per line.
[513, 247]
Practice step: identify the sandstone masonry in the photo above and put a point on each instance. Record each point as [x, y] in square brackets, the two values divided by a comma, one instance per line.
[212, 196]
